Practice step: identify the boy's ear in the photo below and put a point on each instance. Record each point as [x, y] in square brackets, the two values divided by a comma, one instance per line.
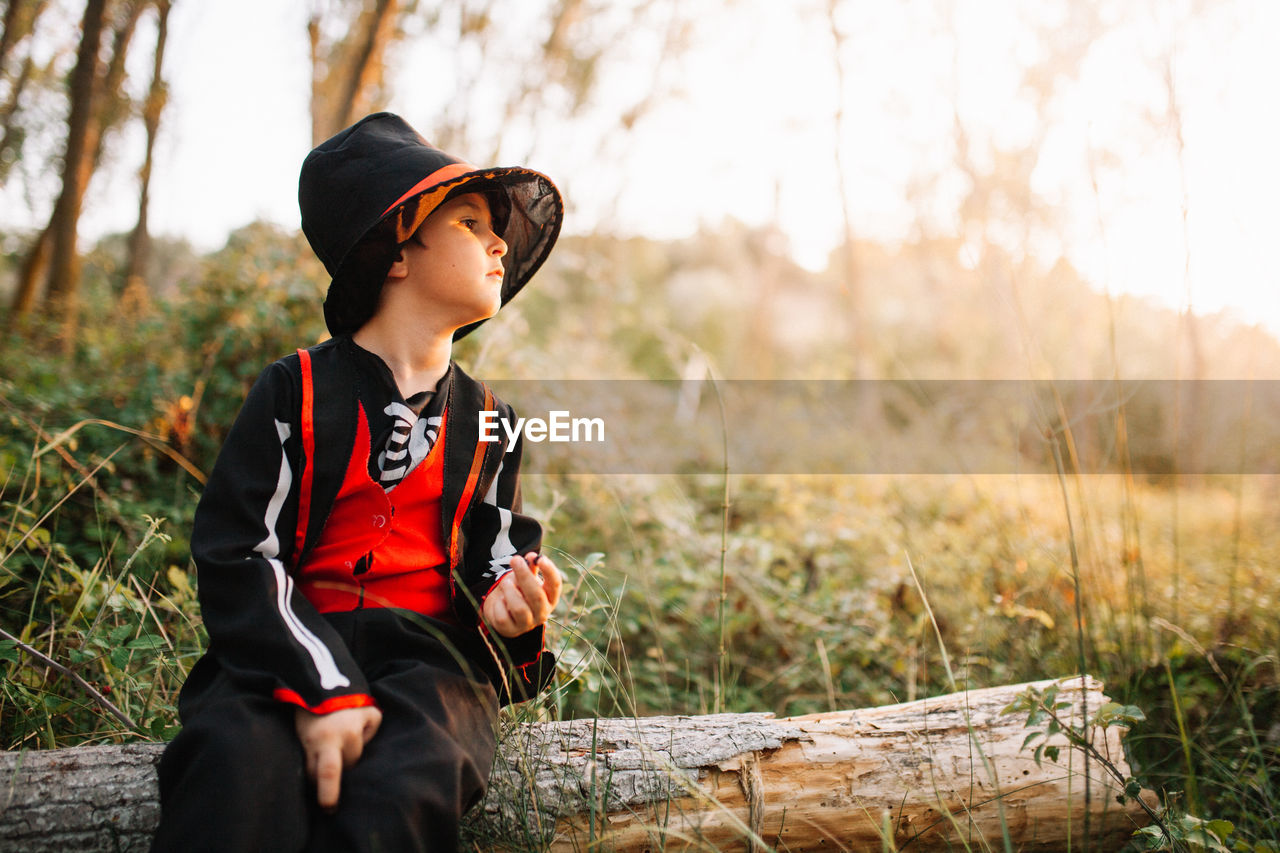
[399, 266]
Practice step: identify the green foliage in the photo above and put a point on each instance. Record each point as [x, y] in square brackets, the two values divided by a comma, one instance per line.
[123, 644]
[820, 610]
[1188, 832]
[1045, 713]
[1211, 744]
[1053, 726]
[93, 448]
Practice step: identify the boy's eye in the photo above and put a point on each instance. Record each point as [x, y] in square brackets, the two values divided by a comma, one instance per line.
[470, 223]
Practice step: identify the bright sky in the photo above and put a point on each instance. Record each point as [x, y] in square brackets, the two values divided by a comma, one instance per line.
[752, 133]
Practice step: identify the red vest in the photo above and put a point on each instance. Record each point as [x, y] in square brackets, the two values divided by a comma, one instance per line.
[379, 548]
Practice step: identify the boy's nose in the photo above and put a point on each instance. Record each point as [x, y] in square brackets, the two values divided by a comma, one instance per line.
[499, 247]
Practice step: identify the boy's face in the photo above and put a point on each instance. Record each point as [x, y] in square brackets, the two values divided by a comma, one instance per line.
[452, 266]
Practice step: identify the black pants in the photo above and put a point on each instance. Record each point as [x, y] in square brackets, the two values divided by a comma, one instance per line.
[234, 779]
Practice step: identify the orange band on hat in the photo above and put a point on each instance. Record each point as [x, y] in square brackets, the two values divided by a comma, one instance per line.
[439, 176]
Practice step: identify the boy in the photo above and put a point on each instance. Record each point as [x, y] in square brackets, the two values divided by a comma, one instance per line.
[371, 591]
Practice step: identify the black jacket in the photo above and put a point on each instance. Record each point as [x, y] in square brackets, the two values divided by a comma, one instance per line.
[265, 633]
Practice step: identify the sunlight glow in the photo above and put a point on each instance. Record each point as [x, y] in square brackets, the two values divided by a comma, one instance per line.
[750, 135]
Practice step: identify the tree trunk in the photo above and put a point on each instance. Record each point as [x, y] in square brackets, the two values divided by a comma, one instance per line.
[64, 266]
[157, 96]
[7, 28]
[20, 19]
[935, 774]
[346, 76]
[97, 105]
[27, 292]
[55, 248]
[10, 140]
[19, 22]
[365, 70]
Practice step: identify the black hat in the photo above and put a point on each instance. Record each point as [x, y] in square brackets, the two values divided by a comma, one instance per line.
[365, 191]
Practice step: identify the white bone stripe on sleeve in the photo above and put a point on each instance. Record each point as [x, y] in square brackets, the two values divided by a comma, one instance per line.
[502, 550]
[330, 677]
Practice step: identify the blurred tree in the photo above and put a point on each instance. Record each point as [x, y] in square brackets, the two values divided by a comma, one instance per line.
[850, 281]
[514, 83]
[157, 97]
[75, 178]
[349, 42]
[1002, 207]
[18, 71]
[98, 105]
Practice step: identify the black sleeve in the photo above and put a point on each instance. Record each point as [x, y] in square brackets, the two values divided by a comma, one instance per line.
[497, 530]
[263, 631]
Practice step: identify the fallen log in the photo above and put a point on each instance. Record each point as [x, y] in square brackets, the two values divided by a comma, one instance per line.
[941, 773]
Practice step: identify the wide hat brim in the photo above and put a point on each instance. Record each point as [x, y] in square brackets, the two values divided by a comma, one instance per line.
[364, 193]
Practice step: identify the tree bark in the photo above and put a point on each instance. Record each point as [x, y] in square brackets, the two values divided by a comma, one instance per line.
[10, 136]
[7, 27]
[20, 19]
[935, 774]
[365, 70]
[97, 105]
[346, 76]
[157, 97]
[33, 269]
[60, 247]
[19, 22]
[77, 160]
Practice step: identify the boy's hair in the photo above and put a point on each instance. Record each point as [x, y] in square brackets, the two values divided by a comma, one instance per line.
[366, 190]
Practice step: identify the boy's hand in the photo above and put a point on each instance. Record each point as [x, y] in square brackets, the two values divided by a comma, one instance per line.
[334, 741]
[525, 597]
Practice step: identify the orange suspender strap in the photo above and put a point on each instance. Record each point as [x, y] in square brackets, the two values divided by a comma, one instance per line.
[308, 453]
[477, 462]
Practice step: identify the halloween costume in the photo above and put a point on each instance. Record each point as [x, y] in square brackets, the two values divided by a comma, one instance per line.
[345, 544]
[273, 647]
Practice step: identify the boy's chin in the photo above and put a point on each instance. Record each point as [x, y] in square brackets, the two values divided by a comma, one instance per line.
[482, 314]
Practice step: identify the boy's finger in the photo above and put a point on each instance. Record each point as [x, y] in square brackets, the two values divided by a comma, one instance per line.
[352, 748]
[501, 621]
[518, 603]
[552, 580]
[372, 722]
[530, 587]
[328, 777]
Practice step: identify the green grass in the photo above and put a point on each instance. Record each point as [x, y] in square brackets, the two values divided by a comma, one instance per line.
[820, 610]
[796, 598]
